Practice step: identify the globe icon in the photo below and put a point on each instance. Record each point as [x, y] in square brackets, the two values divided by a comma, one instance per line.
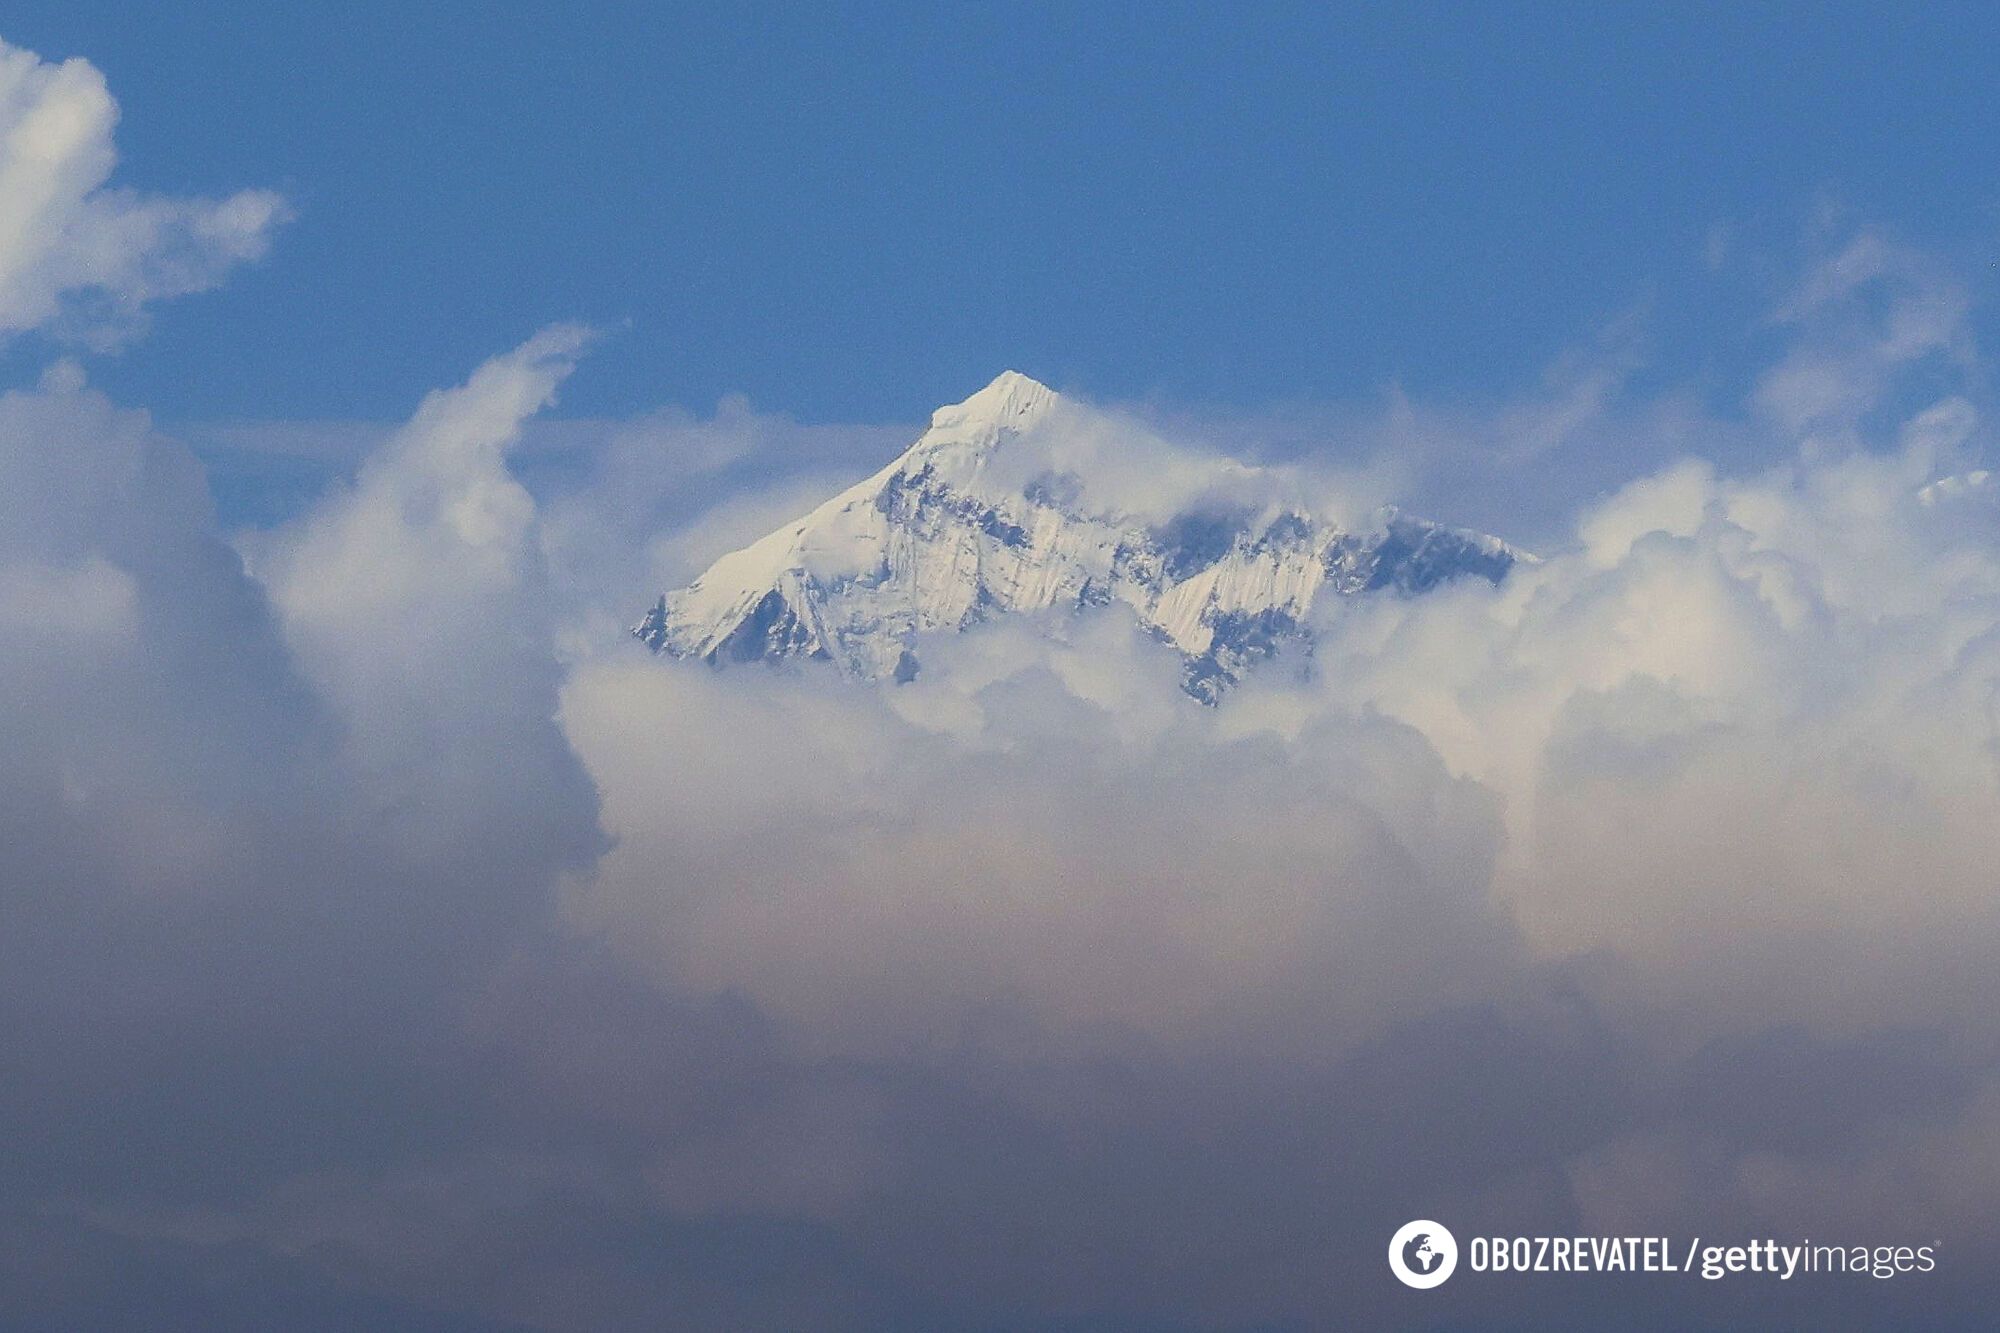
[1422, 1253]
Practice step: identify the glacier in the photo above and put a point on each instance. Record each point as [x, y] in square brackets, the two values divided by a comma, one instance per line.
[1021, 500]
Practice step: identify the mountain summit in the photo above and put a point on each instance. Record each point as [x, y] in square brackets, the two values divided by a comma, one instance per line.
[1019, 500]
[1011, 401]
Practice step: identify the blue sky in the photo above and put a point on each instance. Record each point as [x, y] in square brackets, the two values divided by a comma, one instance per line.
[854, 213]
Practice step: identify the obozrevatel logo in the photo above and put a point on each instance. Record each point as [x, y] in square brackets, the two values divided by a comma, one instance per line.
[1422, 1254]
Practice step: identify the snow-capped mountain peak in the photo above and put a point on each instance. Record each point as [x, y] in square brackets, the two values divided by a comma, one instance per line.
[1011, 401]
[1011, 502]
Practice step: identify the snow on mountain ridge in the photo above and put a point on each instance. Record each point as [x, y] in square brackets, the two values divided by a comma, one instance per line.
[1012, 400]
[1000, 507]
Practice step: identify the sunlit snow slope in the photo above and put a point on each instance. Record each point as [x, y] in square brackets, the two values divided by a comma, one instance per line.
[1012, 502]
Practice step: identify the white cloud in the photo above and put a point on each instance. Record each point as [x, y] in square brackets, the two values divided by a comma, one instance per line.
[1866, 313]
[82, 257]
[94, 599]
[416, 598]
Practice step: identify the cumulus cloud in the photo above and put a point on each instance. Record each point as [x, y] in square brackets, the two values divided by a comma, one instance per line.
[432, 549]
[240, 899]
[80, 255]
[856, 872]
[1735, 731]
